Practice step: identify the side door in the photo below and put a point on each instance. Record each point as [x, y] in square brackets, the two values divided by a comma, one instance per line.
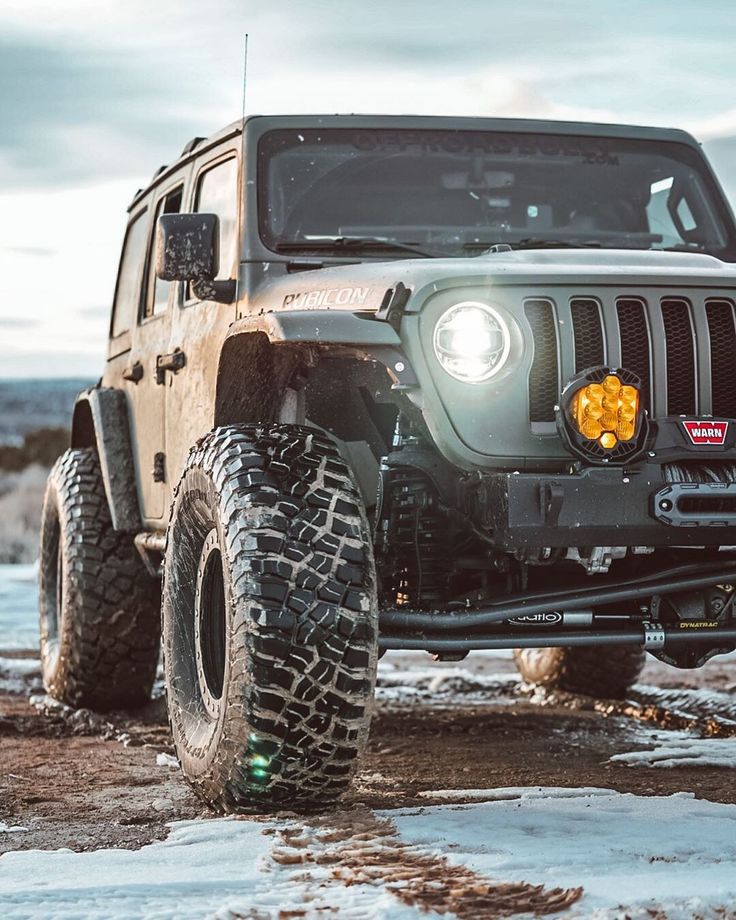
[199, 327]
[145, 382]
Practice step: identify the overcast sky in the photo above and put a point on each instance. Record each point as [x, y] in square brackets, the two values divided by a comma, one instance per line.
[96, 94]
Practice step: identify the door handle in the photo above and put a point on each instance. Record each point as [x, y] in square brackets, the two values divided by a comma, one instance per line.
[173, 362]
[133, 372]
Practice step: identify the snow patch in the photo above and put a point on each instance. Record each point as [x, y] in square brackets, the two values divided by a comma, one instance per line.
[18, 674]
[630, 853]
[511, 793]
[206, 868]
[436, 685]
[11, 828]
[680, 749]
[167, 760]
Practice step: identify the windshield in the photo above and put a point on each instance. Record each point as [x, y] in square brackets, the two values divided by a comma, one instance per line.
[460, 192]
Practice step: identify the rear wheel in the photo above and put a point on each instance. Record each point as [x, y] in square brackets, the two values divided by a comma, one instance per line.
[606, 672]
[269, 618]
[99, 608]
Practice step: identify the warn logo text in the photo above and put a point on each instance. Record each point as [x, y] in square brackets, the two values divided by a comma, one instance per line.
[706, 432]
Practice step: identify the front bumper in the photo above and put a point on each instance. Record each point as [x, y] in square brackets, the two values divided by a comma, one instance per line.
[604, 507]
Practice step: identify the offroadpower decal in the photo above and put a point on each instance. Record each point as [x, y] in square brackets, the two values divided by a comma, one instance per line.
[706, 432]
[594, 151]
[330, 297]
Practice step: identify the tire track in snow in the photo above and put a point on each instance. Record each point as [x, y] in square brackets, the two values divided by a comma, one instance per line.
[358, 848]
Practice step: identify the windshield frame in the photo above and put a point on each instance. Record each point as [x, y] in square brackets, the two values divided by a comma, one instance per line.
[689, 154]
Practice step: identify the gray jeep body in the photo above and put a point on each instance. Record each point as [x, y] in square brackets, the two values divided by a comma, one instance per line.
[343, 342]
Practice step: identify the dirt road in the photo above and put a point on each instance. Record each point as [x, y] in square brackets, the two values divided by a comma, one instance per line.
[82, 781]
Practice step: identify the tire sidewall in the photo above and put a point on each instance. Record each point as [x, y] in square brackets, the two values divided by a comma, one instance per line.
[57, 533]
[201, 762]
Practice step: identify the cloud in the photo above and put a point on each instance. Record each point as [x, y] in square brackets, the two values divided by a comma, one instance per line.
[97, 312]
[74, 115]
[35, 252]
[16, 322]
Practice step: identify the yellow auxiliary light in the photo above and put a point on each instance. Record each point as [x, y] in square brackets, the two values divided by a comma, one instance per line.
[601, 415]
[606, 412]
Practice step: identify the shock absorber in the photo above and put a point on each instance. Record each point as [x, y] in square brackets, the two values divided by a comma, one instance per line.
[414, 536]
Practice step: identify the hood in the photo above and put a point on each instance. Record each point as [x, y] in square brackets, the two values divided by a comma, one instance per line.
[364, 285]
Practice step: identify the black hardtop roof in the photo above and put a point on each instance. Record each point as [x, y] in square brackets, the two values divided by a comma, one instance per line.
[445, 122]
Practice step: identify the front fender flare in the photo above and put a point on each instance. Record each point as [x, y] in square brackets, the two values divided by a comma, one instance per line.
[332, 329]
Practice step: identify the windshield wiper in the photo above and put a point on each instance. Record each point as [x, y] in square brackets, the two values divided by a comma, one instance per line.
[347, 243]
[530, 243]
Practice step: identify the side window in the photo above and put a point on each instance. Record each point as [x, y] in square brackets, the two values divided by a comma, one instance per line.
[217, 193]
[157, 291]
[658, 215]
[127, 292]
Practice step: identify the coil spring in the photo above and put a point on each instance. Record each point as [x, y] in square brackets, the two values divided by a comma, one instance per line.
[416, 543]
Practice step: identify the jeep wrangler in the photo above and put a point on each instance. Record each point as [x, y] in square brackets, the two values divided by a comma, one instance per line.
[396, 383]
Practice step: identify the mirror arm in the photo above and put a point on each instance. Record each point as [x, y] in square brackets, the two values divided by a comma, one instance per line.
[219, 291]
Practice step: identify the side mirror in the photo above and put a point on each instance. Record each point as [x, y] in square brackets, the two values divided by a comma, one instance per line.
[187, 249]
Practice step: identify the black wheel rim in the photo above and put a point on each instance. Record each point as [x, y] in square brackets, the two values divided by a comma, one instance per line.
[210, 619]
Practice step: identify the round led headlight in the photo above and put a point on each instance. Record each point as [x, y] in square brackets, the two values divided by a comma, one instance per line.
[472, 341]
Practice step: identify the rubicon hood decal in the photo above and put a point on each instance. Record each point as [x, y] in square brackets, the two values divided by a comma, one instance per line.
[706, 431]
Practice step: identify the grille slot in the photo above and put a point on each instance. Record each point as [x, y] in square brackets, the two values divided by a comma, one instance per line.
[680, 343]
[722, 354]
[544, 372]
[586, 324]
[635, 347]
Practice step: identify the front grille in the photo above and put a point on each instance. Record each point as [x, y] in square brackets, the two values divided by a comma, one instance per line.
[544, 374]
[588, 333]
[633, 331]
[722, 332]
[680, 344]
[682, 349]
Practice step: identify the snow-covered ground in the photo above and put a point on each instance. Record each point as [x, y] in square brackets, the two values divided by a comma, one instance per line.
[630, 854]
[18, 609]
[674, 854]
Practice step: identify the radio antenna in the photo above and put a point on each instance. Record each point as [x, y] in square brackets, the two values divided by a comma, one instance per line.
[241, 184]
[245, 71]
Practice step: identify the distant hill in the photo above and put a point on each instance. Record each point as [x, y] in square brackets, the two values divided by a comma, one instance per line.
[27, 405]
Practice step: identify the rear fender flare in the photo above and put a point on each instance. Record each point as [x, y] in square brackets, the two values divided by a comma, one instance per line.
[100, 420]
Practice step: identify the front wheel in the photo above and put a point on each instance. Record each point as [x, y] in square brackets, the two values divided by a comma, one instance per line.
[606, 672]
[269, 619]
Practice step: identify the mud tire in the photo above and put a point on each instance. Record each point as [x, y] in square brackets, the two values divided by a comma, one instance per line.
[278, 510]
[603, 672]
[99, 609]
